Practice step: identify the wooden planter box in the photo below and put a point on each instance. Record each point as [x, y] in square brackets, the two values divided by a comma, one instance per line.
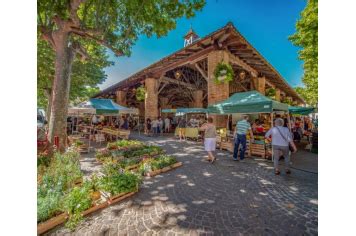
[95, 207]
[51, 223]
[258, 149]
[119, 197]
[132, 167]
[165, 169]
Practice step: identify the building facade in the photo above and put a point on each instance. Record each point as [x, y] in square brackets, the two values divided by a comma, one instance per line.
[186, 77]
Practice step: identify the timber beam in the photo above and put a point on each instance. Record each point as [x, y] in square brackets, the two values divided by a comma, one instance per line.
[243, 64]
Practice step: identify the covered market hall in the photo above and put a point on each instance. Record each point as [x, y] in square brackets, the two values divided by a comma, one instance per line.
[185, 79]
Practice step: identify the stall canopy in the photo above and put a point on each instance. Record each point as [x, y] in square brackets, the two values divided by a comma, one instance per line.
[247, 102]
[185, 110]
[74, 111]
[101, 107]
[301, 110]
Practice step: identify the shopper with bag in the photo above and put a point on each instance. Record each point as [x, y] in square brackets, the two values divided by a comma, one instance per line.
[282, 142]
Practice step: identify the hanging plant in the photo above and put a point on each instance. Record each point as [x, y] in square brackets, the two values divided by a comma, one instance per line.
[287, 101]
[140, 93]
[271, 93]
[223, 73]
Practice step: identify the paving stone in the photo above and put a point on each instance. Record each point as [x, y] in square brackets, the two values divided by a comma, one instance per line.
[218, 203]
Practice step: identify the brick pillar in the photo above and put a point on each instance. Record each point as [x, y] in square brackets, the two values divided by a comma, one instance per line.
[198, 99]
[261, 85]
[121, 97]
[217, 92]
[141, 109]
[164, 102]
[151, 99]
[278, 95]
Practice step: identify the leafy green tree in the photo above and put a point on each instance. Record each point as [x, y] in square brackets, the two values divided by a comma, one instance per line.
[306, 37]
[85, 77]
[115, 24]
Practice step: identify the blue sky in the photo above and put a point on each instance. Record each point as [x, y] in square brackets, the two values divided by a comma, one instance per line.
[266, 24]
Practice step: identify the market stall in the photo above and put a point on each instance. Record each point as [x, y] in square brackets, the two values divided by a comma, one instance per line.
[193, 124]
[308, 129]
[251, 102]
[88, 130]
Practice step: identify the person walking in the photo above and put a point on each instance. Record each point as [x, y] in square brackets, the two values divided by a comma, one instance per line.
[281, 139]
[148, 126]
[160, 126]
[240, 132]
[155, 126]
[209, 139]
[167, 124]
[181, 128]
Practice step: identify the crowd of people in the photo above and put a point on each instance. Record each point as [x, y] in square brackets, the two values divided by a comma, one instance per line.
[279, 135]
[156, 127]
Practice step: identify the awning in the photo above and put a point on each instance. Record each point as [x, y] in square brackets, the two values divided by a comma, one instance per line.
[75, 111]
[301, 110]
[100, 107]
[247, 102]
[185, 110]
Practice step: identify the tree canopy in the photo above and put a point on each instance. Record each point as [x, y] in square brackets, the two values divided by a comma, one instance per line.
[69, 25]
[86, 75]
[306, 37]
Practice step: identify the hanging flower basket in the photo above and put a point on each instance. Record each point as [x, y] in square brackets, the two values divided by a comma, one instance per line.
[140, 93]
[271, 93]
[223, 73]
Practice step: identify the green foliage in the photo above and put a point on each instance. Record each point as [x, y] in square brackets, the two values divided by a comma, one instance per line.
[74, 203]
[129, 162]
[124, 144]
[157, 163]
[271, 93]
[140, 93]
[162, 161]
[48, 205]
[102, 154]
[306, 37]
[111, 168]
[287, 101]
[144, 151]
[223, 69]
[120, 183]
[85, 77]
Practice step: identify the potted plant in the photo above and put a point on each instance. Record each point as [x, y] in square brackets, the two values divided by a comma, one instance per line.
[223, 73]
[140, 93]
[75, 203]
[94, 187]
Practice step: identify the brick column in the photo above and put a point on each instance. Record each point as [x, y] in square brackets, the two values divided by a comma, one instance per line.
[151, 99]
[121, 97]
[164, 102]
[261, 85]
[217, 92]
[198, 99]
[278, 95]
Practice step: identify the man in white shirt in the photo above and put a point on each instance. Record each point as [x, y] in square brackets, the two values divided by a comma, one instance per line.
[155, 126]
[167, 124]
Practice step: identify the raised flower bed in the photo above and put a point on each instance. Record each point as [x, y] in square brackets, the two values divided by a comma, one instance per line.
[154, 166]
[60, 200]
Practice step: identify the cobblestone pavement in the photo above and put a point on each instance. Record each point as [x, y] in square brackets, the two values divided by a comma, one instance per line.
[199, 198]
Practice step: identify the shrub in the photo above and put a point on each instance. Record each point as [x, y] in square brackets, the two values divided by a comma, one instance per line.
[74, 203]
[120, 183]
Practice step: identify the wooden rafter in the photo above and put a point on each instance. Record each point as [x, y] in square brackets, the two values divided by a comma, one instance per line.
[244, 65]
[201, 71]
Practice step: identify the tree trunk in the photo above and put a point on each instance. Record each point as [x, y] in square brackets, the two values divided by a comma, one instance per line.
[60, 91]
[48, 93]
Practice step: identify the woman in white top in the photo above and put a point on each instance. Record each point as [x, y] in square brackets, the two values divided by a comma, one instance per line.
[209, 139]
[281, 139]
